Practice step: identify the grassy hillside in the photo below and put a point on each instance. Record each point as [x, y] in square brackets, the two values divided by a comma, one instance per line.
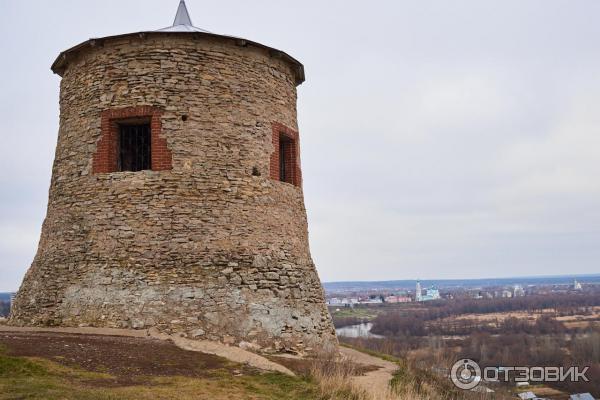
[42, 366]
[38, 378]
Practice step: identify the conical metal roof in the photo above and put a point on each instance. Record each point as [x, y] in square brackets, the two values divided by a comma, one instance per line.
[183, 16]
[182, 22]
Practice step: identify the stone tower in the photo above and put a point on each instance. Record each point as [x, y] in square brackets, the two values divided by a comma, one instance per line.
[176, 196]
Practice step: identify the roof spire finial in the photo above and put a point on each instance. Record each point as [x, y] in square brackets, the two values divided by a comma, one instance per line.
[183, 16]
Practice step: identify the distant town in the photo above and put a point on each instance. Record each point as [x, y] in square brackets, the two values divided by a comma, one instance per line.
[349, 294]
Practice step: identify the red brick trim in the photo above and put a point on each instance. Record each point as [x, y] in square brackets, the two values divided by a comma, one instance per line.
[293, 157]
[106, 156]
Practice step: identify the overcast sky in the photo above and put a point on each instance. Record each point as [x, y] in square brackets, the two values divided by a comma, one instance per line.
[440, 139]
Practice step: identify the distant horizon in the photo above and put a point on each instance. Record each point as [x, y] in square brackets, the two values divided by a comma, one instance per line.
[473, 279]
[469, 284]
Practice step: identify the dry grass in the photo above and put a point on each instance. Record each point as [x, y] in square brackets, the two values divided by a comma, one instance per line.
[334, 376]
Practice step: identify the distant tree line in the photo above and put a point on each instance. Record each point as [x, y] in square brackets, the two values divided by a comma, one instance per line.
[437, 318]
[561, 303]
[395, 325]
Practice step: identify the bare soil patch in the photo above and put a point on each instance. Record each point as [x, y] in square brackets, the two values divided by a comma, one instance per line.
[128, 360]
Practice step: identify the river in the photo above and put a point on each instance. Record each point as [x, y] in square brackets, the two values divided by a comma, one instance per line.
[358, 331]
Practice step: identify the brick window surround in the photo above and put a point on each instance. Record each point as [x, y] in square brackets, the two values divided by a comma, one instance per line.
[106, 158]
[292, 156]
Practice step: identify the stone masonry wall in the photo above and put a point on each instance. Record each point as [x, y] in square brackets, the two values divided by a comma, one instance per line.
[206, 249]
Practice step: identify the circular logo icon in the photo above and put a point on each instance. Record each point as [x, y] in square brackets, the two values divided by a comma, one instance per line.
[465, 374]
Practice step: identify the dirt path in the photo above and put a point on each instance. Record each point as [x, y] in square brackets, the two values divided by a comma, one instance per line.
[204, 346]
[375, 382]
[229, 352]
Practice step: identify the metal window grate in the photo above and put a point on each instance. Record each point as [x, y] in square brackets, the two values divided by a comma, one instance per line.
[134, 147]
[282, 159]
[287, 159]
